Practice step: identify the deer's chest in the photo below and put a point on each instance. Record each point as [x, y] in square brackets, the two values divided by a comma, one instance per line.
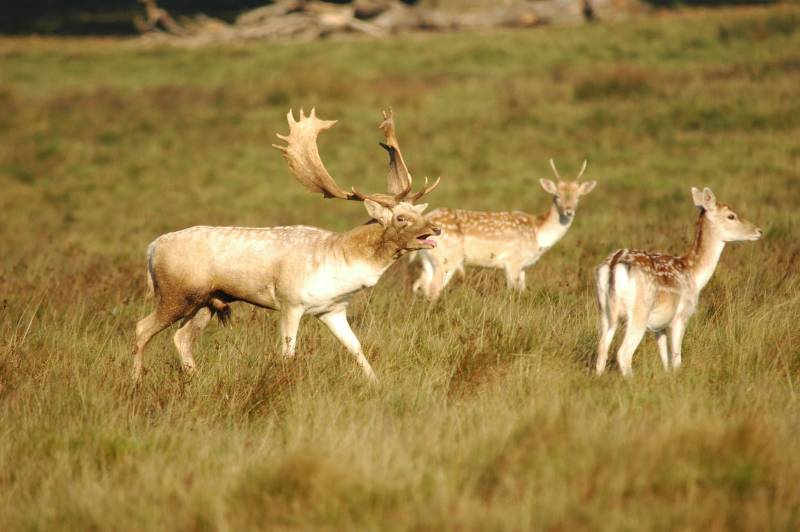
[334, 283]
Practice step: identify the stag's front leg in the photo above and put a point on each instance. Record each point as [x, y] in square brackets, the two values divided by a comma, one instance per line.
[290, 322]
[339, 326]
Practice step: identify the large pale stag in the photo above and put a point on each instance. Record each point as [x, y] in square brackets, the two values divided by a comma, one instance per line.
[195, 273]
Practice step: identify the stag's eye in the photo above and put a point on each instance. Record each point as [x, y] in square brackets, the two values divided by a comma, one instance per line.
[401, 219]
[731, 217]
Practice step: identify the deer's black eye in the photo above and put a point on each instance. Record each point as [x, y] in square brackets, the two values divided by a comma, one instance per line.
[731, 217]
[401, 219]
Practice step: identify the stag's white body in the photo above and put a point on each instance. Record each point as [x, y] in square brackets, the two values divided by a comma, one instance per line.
[659, 292]
[511, 241]
[295, 270]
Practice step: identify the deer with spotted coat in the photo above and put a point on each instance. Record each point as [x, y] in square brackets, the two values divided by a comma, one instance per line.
[659, 292]
[511, 241]
[297, 270]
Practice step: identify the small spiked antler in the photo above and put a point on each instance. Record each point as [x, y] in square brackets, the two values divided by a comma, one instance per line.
[555, 170]
[580, 174]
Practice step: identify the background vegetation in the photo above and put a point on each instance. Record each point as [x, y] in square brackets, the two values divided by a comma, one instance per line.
[488, 416]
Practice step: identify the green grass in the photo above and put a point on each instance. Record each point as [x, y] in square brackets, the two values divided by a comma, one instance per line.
[488, 416]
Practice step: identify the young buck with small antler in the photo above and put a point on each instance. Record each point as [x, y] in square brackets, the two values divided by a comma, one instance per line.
[295, 270]
[657, 292]
[511, 241]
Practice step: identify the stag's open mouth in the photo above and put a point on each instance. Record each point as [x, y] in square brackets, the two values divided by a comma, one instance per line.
[425, 239]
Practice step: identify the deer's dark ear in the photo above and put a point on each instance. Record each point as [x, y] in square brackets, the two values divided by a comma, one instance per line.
[378, 212]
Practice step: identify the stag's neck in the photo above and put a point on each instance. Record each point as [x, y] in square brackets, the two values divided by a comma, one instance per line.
[369, 244]
[551, 226]
[705, 252]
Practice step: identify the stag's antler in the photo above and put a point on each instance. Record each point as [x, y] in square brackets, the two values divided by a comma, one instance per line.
[303, 156]
[398, 182]
[399, 179]
[305, 164]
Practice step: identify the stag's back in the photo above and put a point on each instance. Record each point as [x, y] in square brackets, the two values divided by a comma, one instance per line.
[240, 261]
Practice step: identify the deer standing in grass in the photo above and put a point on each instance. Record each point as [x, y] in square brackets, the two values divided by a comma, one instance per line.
[295, 270]
[658, 292]
[511, 241]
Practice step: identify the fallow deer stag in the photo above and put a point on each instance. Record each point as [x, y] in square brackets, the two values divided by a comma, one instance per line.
[658, 292]
[511, 241]
[295, 270]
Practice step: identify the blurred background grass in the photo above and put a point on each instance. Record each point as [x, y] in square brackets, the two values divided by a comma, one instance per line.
[488, 416]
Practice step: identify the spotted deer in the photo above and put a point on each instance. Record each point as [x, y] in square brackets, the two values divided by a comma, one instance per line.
[659, 292]
[511, 241]
[297, 270]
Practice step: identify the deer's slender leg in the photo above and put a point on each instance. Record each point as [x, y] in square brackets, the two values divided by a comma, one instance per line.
[521, 280]
[663, 348]
[161, 318]
[608, 319]
[184, 337]
[635, 328]
[426, 272]
[339, 326]
[676, 339]
[290, 322]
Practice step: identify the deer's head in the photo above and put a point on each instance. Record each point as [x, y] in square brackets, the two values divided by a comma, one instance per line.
[405, 224]
[567, 193]
[729, 226]
[397, 211]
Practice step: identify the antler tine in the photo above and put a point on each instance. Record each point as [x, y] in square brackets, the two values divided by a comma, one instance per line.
[398, 181]
[425, 190]
[555, 171]
[583, 169]
[302, 154]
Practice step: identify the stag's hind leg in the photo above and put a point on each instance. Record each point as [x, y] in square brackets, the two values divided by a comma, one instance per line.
[190, 329]
[146, 328]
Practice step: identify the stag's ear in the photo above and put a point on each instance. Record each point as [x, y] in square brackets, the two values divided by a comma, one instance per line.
[549, 186]
[420, 208]
[586, 187]
[378, 212]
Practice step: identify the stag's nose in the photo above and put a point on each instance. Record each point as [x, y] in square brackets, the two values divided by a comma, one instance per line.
[569, 212]
[759, 232]
[436, 230]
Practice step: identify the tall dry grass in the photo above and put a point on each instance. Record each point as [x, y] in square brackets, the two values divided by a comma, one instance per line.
[488, 416]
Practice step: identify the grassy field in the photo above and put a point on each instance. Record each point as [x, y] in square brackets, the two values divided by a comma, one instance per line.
[488, 415]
